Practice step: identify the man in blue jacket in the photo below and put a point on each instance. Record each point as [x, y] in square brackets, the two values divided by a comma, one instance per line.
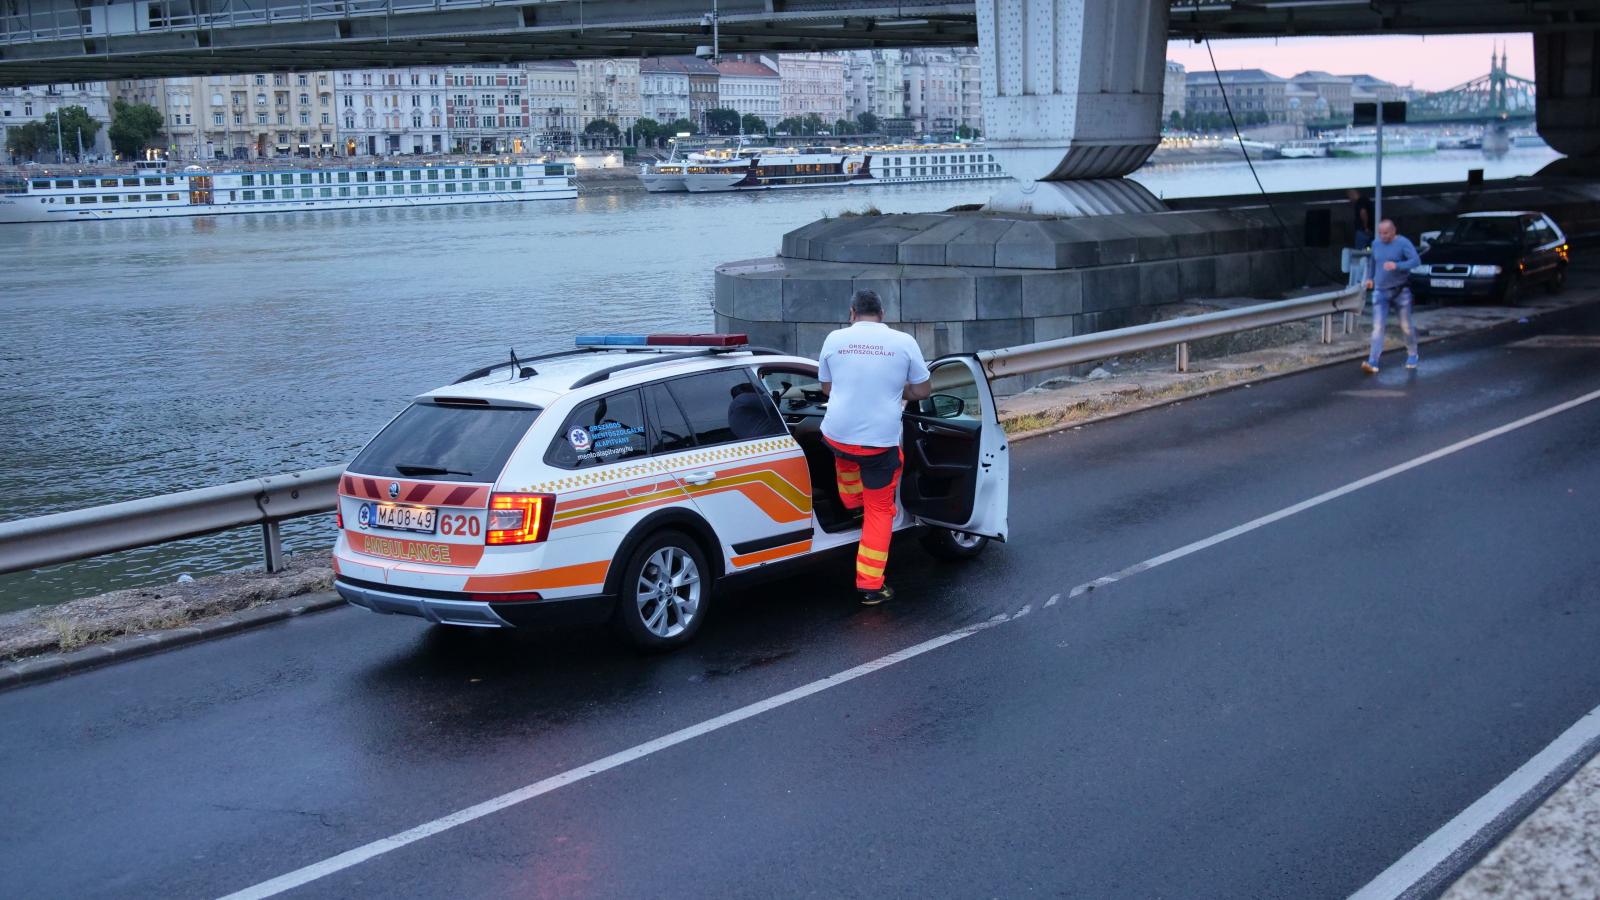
[1393, 258]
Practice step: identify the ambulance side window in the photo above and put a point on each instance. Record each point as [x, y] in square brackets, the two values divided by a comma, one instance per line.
[669, 430]
[600, 432]
[725, 406]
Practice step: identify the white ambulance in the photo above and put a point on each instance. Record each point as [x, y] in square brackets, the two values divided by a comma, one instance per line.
[628, 479]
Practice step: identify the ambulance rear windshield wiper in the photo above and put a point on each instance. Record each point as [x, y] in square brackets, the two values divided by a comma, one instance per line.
[408, 469]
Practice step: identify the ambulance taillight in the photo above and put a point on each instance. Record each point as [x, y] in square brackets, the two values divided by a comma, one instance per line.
[519, 518]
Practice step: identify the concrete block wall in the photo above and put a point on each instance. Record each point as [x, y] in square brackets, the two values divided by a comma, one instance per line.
[964, 282]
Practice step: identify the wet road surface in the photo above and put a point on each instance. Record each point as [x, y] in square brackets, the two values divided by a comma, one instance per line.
[1282, 714]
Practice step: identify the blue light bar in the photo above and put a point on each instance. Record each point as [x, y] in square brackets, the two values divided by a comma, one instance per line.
[612, 340]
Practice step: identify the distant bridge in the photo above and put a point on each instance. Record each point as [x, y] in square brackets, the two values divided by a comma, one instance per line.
[43, 41]
[1495, 97]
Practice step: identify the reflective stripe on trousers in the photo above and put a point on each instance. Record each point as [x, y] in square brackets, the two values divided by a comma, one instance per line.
[877, 526]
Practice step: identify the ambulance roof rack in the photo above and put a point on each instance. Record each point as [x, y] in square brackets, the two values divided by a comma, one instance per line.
[479, 373]
[603, 374]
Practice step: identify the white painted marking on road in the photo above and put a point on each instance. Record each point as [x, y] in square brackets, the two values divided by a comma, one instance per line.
[1336, 493]
[1467, 829]
[379, 847]
[1054, 599]
[1026, 608]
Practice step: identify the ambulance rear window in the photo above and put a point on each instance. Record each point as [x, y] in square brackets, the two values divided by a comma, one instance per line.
[437, 442]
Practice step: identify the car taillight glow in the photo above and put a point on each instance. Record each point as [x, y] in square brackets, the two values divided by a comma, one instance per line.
[338, 515]
[519, 518]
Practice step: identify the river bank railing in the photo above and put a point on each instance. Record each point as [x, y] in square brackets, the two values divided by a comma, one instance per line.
[268, 502]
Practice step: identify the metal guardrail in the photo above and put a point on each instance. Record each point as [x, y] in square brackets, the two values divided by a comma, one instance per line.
[1072, 351]
[80, 534]
[267, 502]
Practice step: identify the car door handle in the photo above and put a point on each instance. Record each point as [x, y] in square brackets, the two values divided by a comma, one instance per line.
[704, 477]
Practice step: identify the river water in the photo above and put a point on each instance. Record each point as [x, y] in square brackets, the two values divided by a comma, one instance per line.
[150, 356]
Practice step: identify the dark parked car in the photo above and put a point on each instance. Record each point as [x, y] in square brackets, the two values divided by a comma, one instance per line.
[1492, 255]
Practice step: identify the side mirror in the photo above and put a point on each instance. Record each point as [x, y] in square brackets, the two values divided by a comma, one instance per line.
[943, 406]
[1428, 237]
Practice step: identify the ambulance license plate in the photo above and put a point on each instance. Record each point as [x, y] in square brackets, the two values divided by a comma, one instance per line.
[1456, 283]
[405, 518]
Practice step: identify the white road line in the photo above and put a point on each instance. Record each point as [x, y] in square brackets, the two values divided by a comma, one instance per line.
[1336, 493]
[1467, 832]
[394, 842]
[379, 847]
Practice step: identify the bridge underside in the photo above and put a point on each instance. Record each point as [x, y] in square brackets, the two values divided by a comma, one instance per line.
[44, 41]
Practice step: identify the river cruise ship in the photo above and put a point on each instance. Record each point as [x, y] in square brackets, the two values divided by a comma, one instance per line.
[47, 196]
[757, 169]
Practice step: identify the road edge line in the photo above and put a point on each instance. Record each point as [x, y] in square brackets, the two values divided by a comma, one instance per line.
[1443, 855]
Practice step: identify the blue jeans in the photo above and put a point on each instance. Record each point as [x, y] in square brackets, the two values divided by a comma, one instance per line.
[1381, 298]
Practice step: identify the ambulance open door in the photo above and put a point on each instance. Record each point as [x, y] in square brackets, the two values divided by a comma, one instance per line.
[957, 463]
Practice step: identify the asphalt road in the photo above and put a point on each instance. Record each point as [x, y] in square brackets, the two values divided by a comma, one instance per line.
[1283, 714]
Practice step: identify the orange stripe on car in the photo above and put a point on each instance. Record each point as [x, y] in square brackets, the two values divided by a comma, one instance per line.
[579, 575]
[772, 553]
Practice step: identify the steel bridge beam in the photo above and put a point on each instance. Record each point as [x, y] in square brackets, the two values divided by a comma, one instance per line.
[43, 41]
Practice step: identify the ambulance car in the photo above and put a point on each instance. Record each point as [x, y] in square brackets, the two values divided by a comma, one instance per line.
[632, 478]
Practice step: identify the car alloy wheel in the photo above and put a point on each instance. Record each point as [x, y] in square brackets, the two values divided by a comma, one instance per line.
[668, 592]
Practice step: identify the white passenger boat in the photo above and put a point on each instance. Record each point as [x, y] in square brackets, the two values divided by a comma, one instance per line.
[758, 169]
[46, 195]
[663, 177]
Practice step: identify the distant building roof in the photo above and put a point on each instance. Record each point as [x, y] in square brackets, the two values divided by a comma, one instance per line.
[1174, 66]
[551, 64]
[745, 68]
[1236, 76]
[1369, 81]
[1318, 75]
[677, 65]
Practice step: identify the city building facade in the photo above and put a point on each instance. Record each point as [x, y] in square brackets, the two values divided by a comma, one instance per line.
[970, 66]
[812, 84]
[933, 91]
[31, 103]
[705, 90]
[487, 108]
[875, 83]
[259, 116]
[389, 112]
[1254, 96]
[1334, 92]
[608, 89]
[750, 87]
[664, 93]
[1174, 92]
[553, 103]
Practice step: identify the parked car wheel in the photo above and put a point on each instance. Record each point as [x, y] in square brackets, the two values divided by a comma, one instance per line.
[1557, 281]
[947, 544]
[666, 590]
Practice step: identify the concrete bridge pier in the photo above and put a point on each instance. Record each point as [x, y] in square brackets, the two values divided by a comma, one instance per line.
[1567, 71]
[1072, 95]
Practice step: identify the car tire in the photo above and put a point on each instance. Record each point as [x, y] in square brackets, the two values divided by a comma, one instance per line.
[1557, 281]
[953, 545]
[664, 594]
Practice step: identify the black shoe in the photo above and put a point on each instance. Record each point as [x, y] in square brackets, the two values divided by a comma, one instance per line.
[873, 598]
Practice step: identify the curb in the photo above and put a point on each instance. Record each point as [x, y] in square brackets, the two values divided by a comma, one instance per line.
[55, 665]
[1340, 360]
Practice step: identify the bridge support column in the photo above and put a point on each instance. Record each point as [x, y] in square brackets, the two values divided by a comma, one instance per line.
[1072, 100]
[1567, 69]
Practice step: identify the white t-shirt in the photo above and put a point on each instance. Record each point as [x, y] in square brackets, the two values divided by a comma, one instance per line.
[869, 365]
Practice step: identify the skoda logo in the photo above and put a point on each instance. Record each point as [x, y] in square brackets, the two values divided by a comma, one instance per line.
[394, 489]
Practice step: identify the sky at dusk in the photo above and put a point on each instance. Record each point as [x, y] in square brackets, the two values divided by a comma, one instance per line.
[1428, 63]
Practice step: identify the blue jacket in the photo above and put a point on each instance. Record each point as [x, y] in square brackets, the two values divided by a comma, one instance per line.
[1398, 251]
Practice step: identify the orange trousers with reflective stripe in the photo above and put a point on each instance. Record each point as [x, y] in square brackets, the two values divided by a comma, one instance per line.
[877, 526]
